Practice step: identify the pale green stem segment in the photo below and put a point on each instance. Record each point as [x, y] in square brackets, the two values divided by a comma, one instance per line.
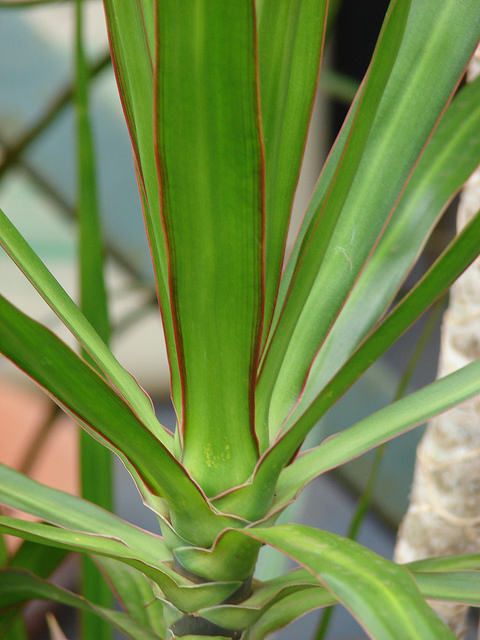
[210, 168]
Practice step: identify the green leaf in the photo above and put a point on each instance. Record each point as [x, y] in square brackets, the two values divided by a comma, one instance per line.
[184, 594]
[3, 552]
[455, 586]
[289, 609]
[251, 500]
[466, 562]
[211, 171]
[379, 427]
[80, 391]
[135, 593]
[130, 31]
[449, 159]
[52, 292]
[291, 35]
[40, 560]
[317, 238]
[435, 48]
[23, 493]
[17, 630]
[37, 559]
[20, 586]
[360, 580]
[265, 595]
[92, 283]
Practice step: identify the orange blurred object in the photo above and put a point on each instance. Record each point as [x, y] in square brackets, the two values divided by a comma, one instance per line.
[23, 412]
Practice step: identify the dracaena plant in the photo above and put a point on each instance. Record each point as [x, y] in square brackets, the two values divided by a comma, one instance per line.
[217, 98]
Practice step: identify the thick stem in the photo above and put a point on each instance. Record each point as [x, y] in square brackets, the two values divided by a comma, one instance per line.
[444, 513]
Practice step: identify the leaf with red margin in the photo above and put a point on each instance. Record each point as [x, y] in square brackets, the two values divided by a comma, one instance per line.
[364, 194]
[20, 586]
[453, 586]
[317, 237]
[252, 500]
[291, 35]
[60, 302]
[210, 166]
[383, 425]
[183, 593]
[135, 593]
[290, 608]
[129, 26]
[449, 159]
[264, 596]
[360, 579]
[79, 390]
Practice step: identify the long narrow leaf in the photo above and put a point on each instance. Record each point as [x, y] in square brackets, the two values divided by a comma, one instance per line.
[65, 510]
[288, 610]
[379, 427]
[129, 28]
[19, 587]
[265, 595]
[449, 159]
[454, 586]
[135, 594]
[466, 562]
[96, 407]
[360, 580]
[210, 167]
[317, 239]
[52, 292]
[178, 590]
[361, 202]
[291, 35]
[454, 260]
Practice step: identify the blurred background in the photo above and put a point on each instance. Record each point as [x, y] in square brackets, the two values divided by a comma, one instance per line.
[37, 192]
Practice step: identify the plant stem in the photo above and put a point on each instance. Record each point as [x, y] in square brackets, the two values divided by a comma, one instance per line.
[96, 470]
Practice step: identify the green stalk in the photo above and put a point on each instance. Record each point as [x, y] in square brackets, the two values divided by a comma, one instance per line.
[365, 499]
[95, 460]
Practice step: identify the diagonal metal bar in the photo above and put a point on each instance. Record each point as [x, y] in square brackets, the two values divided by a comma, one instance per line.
[14, 150]
[67, 211]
